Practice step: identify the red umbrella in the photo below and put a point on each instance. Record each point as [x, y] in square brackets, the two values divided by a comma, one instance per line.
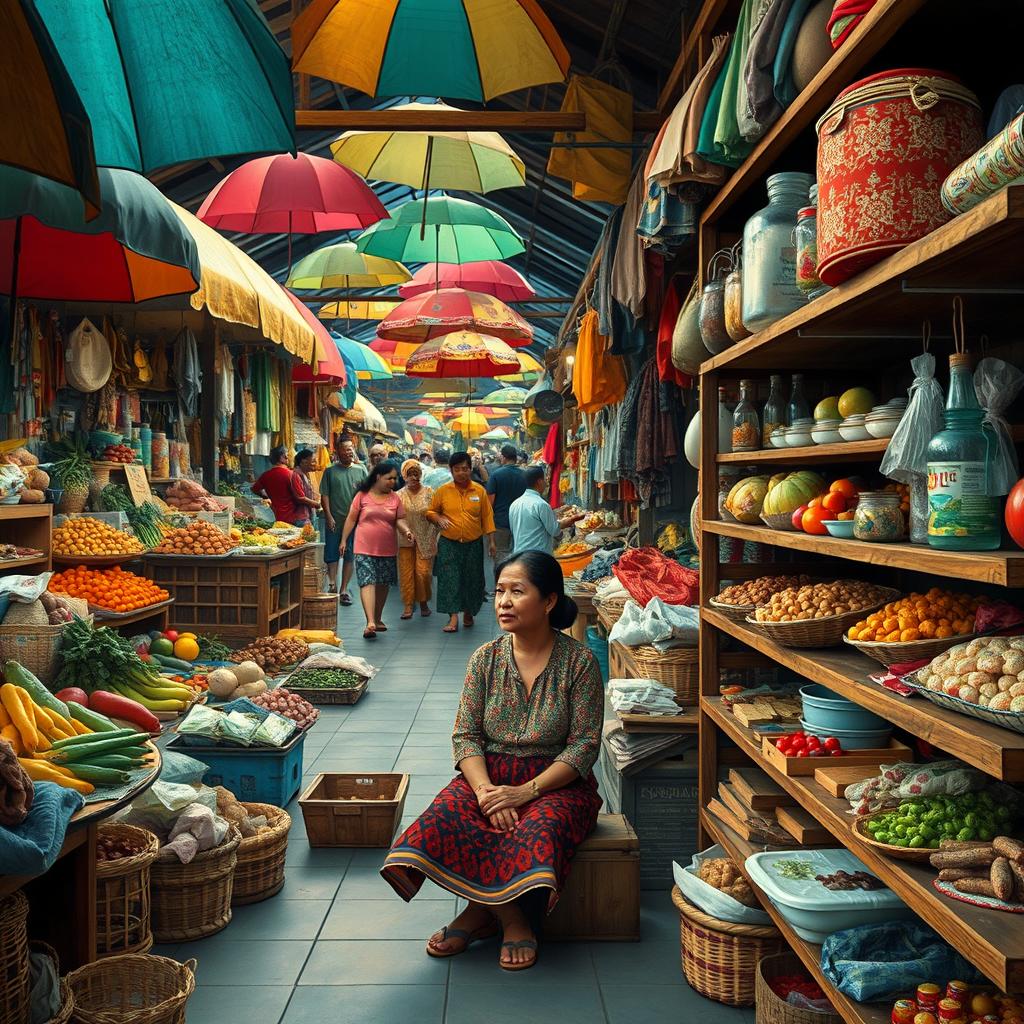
[453, 309]
[330, 369]
[492, 277]
[291, 195]
[461, 354]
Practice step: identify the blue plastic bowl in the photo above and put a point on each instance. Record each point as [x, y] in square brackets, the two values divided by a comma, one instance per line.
[851, 739]
[825, 709]
[839, 528]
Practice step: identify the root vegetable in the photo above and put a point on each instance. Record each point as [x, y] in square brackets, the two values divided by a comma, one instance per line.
[955, 874]
[222, 682]
[975, 886]
[978, 857]
[962, 844]
[250, 689]
[1011, 849]
[1001, 878]
[248, 672]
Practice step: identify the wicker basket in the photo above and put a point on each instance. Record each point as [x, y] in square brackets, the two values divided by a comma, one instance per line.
[733, 612]
[913, 650]
[191, 901]
[781, 521]
[37, 648]
[826, 632]
[259, 873]
[123, 920]
[14, 980]
[773, 1010]
[136, 988]
[676, 667]
[720, 958]
[67, 1002]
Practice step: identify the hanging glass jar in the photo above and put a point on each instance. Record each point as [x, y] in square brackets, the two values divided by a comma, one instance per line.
[746, 426]
[769, 255]
[734, 298]
[712, 305]
[774, 415]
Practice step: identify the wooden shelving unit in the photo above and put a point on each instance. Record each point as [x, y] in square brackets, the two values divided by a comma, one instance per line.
[27, 526]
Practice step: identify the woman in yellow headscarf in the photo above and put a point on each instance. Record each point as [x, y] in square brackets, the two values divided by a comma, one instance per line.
[416, 558]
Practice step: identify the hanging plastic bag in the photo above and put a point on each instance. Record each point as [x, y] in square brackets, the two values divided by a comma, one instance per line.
[906, 457]
[87, 359]
[997, 384]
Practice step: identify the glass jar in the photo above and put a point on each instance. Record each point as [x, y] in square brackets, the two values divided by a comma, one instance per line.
[712, 317]
[724, 423]
[769, 256]
[797, 407]
[746, 426]
[878, 517]
[805, 237]
[734, 306]
[774, 415]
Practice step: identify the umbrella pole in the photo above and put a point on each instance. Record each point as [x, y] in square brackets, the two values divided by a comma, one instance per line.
[437, 258]
[14, 280]
[426, 185]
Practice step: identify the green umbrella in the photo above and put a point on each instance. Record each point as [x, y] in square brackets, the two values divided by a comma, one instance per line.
[462, 233]
[343, 266]
[512, 397]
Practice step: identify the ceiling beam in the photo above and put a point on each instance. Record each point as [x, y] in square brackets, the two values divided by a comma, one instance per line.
[458, 120]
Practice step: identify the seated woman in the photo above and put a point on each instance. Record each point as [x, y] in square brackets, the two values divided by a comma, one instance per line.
[502, 833]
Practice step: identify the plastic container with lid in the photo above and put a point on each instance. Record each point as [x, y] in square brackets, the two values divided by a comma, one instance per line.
[789, 879]
[799, 434]
[853, 429]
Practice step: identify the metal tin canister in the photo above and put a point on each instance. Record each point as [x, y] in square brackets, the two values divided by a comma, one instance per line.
[999, 163]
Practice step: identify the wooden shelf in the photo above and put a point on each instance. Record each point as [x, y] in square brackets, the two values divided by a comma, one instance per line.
[22, 563]
[894, 297]
[845, 451]
[984, 936]
[993, 750]
[1005, 568]
[739, 850]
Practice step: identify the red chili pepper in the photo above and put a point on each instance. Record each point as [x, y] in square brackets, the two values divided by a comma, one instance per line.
[113, 705]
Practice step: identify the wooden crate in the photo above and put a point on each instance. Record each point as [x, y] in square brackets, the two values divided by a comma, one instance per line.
[794, 766]
[334, 818]
[601, 899]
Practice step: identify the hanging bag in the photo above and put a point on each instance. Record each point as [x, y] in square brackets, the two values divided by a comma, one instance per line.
[87, 359]
[997, 384]
[688, 349]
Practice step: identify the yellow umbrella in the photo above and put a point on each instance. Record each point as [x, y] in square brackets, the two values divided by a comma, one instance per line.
[529, 369]
[470, 424]
[237, 289]
[358, 309]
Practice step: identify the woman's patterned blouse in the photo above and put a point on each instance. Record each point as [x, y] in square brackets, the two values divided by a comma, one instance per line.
[561, 719]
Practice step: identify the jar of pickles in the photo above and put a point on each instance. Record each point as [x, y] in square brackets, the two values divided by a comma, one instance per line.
[878, 517]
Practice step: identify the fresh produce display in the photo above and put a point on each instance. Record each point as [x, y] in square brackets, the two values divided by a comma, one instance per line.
[123, 453]
[189, 496]
[69, 463]
[289, 704]
[855, 401]
[113, 589]
[258, 540]
[600, 520]
[819, 600]
[745, 499]
[576, 547]
[325, 679]
[212, 648]
[20, 473]
[723, 875]
[1013, 513]
[926, 821]
[89, 537]
[146, 521]
[56, 608]
[988, 671]
[792, 491]
[198, 538]
[956, 1003]
[759, 590]
[16, 790]
[272, 653]
[903, 490]
[247, 679]
[294, 542]
[992, 867]
[801, 744]
[934, 615]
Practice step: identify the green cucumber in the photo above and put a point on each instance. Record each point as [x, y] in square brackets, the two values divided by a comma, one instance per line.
[74, 741]
[98, 775]
[20, 676]
[117, 761]
[83, 751]
[91, 719]
[176, 663]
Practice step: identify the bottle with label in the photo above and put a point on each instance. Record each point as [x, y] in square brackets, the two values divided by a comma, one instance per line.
[774, 415]
[797, 409]
[961, 514]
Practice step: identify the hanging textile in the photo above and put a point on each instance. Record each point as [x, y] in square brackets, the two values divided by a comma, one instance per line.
[552, 455]
[670, 308]
[669, 216]
[628, 276]
[598, 174]
[599, 378]
[158, 364]
[657, 442]
[626, 466]
[729, 143]
[188, 377]
[762, 109]
[846, 16]
[604, 252]
[785, 87]
[225, 369]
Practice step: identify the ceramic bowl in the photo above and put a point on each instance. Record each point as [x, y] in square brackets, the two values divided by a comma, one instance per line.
[839, 528]
[826, 432]
[853, 429]
[883, 425]
[778, 438]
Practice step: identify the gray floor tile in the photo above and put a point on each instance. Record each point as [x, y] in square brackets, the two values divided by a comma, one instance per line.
[278, 919]
[311, 883]
[656, 1004]
[387, 733]
[621, 963]
[557, 962]
[426, 764]
[386, 919]
[565, 1002]
[373, 963]
[359, 743]
[365, 883]
[236, 1004]
[356, 763]
[431, 784]
[366, 1004]
[366, 857]
[228, 962]
[302, 855]
[659, 919]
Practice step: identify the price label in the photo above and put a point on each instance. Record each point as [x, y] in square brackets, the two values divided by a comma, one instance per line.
[138, 484]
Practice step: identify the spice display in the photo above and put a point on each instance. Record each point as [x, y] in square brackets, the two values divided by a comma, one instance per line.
[933, 615]
[113, 589]
[87, 537]
[273, 653]
[325, 679]
[801, 984]
[878, 517]
[575, 547]
[198, 538]
[723, 875]
[988, 671]
[819, 600]
[758, 591]
[746, 427]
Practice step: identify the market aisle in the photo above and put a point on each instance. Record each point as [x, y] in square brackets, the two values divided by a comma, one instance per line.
[338, 947]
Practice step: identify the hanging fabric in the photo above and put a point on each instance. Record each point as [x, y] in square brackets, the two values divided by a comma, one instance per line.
[785, 88]
[846, 16]
[670, 309]
[762, 109]
[669, 216]
[628, 272]
[599, 378]
[188, 377]
[158, 364]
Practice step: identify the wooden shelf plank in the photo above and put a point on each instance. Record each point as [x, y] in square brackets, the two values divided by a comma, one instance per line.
[1005, 568]
[845, 451]
[983, 936]
[823, 334]
[995, 751]
[739, 850]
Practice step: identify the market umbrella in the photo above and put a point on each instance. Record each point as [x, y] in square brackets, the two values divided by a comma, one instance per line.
[496, 434]
[462, 232]
[135, 249]
[492, 277]
[329, 366]
[453, 309]
[169, 81]
[529, 369]
[466, 49]
[395, 352]
[511, 397]
[343, 266]
[366, 363]
[286, 195]
[424, 421]
[461, 354]
[470, 424]
[44, 128]
[357, 309]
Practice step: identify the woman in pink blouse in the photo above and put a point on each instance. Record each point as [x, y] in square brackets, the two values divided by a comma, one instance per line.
[502, 833]
[378, 511]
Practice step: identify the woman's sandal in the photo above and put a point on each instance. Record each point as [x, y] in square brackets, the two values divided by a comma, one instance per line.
[369, 634]
[468, 938]
[345, 599]
[521, 944]
[381, 628]
[468, 621]
[405, 616]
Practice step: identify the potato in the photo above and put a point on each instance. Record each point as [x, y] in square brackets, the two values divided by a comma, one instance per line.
[250, 689]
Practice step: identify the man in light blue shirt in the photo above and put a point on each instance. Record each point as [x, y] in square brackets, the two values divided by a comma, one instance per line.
[441, 474]
[532, 520]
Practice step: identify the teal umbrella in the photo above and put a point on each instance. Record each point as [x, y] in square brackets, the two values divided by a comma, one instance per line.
[167, 81]
[457, 232]
[511, 397]
[363, 360]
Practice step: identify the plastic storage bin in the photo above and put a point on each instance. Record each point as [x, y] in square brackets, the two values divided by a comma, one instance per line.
[825, 709]
[261, 775]
[814, 910]
[852, 739]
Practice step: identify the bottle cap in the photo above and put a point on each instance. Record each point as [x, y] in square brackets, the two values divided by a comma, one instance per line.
[960, 359]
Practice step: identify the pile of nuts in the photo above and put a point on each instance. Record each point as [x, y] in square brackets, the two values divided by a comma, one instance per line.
[755, 592]
[820, 601]
[116, 848]
[273, 653]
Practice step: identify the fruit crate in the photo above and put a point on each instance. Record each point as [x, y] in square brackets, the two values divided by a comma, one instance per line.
[354, 808]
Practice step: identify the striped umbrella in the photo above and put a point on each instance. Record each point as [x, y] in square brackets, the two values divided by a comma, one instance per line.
[367, 364]
[434, 314]
[461, 354]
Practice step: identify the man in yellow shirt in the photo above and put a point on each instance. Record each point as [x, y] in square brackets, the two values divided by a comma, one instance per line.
[462, 512]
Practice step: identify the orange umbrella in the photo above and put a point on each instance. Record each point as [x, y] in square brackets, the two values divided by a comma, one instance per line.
[395, 352]
[454, 309]
[462, 354]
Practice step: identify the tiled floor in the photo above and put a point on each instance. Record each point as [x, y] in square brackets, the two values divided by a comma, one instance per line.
[336, 946]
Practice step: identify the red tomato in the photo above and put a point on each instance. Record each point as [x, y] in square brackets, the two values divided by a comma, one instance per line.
[845, 487]
[837, 753]
[172, 634]
[1014, 513]
[798, 515]
[816, 752]
[834, 502]
[831, 743]
[802, 753]
[813, 520]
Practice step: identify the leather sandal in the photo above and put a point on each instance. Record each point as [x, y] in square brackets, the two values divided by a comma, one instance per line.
[521, 944]
[468, 938]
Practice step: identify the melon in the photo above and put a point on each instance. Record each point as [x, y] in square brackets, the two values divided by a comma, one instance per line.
[746, 498]
[795, 490]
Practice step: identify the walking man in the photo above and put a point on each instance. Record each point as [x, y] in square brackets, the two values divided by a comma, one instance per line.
[337, 489]
[505, 485]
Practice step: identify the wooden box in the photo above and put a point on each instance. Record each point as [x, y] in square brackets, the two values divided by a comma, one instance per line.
[354, 808]
[807, 765]
[834, 778]
[601, 899]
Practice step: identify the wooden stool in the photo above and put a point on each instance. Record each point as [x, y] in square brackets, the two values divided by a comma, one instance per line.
[601, 900]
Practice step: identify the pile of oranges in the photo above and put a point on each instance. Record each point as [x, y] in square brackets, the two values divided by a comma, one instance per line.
[86, 536]
[113, 589]
[198, 538]
[935, 615]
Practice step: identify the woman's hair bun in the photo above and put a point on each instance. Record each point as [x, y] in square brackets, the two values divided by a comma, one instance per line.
[563, 615]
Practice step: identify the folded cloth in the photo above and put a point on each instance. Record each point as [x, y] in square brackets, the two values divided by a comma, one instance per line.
[31, 847]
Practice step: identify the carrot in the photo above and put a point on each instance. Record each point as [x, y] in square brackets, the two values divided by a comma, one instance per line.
[11, 734]
[10, 697]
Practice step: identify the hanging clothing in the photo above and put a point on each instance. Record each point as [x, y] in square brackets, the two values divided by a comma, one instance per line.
[762, 109]
[553, 456]
[629, 278]
[158, 364]
[785, 87]
[626, 464]
[669, 216]
[729, 144]
[670, 308]
[225, 382]
[599, 378]
[188, 377]
[604, 252]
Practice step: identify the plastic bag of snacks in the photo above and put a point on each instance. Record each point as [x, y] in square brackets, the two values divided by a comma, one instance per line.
[903, 781]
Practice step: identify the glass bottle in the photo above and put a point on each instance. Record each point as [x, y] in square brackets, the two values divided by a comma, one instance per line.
[962, 516]
[797, 409]
[774, 415]
[769, 255]
[724, 423]
[746, 426]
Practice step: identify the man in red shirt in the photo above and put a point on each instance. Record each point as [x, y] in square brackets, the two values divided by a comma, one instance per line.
[283, 486]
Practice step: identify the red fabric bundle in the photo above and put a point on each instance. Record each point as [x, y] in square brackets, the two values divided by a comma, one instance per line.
[647, 573]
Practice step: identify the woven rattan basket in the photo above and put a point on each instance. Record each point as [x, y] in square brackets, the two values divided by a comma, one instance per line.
[720, 958]
[677, 668]
[136, 988]
[123, 920]
[770, 1009]
[191, 901]
[14, 980]
[826, 632]
[733, 612]
[67, 1002]
[259, 873]
[913, 650]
